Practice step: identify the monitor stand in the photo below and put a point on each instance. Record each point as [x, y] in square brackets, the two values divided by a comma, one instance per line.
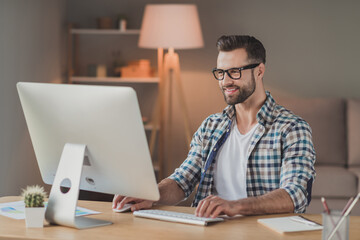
[62, 206]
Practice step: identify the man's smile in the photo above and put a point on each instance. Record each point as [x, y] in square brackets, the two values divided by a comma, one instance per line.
[230, 90]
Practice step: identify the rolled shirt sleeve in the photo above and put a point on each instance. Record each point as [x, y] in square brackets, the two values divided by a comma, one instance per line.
[297, 171]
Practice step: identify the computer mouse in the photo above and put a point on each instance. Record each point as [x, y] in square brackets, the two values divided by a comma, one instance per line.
[126, 208]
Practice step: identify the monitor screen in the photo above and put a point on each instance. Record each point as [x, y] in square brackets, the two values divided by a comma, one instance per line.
[107, 120]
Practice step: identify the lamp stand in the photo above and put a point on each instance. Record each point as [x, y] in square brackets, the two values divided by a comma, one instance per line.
[172, 71]
[169, 70]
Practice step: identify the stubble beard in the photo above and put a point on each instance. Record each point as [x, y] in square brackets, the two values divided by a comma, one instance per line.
[243, 94]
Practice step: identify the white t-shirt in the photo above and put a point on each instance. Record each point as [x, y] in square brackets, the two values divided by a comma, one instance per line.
[231, 164]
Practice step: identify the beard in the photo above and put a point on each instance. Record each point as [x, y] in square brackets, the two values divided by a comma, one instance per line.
[243, 93]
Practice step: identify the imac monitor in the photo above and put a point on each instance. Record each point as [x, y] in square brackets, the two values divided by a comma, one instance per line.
[87, 137]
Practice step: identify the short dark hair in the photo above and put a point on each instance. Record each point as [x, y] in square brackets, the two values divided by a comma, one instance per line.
[253, 47]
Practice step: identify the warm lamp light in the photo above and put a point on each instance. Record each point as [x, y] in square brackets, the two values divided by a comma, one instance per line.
[170, 26]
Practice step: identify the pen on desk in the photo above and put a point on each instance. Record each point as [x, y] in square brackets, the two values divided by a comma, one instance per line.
[348, 210]
[312, 222]
[304, 220]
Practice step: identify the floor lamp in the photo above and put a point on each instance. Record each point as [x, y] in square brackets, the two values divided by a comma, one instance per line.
[169, 26]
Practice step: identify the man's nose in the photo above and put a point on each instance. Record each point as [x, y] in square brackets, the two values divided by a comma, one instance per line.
[227, 81]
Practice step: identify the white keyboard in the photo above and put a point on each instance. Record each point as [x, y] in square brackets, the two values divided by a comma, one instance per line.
[175, 217]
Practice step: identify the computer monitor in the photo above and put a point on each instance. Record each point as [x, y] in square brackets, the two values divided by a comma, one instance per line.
[87, 137]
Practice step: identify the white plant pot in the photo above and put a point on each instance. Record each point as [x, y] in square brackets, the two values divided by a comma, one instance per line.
[34, 217]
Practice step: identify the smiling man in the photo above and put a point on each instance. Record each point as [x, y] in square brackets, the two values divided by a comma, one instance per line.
[255, 157]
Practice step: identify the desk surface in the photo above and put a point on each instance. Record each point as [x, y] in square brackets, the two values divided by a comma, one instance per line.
[126, 226]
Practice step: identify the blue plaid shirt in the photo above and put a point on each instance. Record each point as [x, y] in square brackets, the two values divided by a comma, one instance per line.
[281, 155]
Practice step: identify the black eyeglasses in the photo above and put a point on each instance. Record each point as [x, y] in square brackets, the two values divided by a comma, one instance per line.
[233, 73]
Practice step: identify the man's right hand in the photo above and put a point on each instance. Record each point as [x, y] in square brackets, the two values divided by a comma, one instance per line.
[170, 194]
[119, 202]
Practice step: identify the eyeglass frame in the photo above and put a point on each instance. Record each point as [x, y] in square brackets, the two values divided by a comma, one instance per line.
[250, 66]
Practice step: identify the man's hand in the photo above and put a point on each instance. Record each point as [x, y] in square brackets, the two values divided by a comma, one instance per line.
[277, 201]
[213, 206]
[119, 202]
[170, 194]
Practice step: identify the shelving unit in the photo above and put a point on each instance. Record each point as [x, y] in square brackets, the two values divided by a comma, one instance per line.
[81, 79]
[117, 81]
[104, 31]
[102, 80]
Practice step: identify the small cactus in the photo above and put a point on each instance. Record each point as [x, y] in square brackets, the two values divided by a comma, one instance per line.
[34, 196]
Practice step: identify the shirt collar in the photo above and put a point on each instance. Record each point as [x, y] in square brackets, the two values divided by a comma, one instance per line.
[229, 111]
[264, 114]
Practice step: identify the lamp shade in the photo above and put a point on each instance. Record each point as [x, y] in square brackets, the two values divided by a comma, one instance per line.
[171, 26]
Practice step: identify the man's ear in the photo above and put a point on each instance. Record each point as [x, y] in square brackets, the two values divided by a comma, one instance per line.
[261, 71]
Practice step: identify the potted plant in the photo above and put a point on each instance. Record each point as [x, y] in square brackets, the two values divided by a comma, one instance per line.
[34, 197]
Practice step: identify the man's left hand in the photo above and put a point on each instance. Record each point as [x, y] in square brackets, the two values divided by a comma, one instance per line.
[213, 206]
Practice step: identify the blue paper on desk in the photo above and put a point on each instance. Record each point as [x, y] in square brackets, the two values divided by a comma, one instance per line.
[290, 224]
[16, 210]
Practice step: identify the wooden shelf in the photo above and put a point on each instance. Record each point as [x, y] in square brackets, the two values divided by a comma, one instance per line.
[104, 80]
[105, 31]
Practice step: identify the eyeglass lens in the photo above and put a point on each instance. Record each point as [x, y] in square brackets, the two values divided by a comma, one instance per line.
[233, 73]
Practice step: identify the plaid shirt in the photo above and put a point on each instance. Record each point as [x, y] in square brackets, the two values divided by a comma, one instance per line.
[281, 155]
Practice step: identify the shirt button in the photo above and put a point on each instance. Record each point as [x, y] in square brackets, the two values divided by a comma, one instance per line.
[214, 149]
[227, 130]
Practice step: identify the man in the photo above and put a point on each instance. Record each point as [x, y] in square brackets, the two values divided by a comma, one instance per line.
[255, 157]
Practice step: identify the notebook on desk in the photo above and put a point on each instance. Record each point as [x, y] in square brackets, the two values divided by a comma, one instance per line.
[290, 224]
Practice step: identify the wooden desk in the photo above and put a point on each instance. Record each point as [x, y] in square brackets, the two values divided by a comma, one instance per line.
[126, 226]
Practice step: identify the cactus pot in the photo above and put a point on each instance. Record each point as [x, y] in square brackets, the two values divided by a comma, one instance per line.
[34, 217]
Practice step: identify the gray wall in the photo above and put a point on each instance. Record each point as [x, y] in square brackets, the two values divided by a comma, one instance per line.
[31, 50]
